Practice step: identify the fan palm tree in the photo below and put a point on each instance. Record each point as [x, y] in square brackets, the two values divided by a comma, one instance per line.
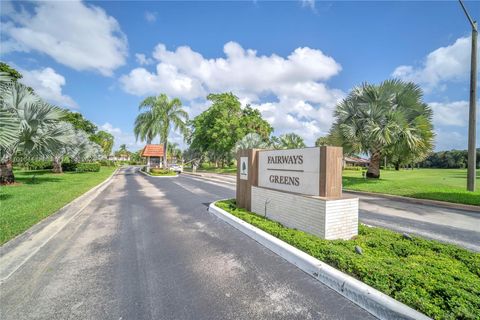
[251, 141]
[39, 131]
[388, 118]
[289, 141]
[160, 115]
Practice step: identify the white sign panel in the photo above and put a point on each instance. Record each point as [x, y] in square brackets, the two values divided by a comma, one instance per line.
[291, 170]
[244, 168]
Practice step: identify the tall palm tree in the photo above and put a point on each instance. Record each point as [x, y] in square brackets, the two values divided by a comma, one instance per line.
[390, 117]
[160, 115]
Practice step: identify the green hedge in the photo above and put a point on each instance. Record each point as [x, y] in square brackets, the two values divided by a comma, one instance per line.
[88, 167]
[354, 168]
[81, 167]
[37, 165]
[440, 280]
[69, 166]
[159, 171]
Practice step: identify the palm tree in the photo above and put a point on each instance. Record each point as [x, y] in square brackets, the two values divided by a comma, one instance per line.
[174, 150]
[288, 141]
[39, 131]
[384, 119]
[251, 141]
[160, 115]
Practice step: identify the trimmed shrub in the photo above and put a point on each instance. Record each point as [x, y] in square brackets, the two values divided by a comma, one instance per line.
[88, 167]
[107, 163]
[69, 166]
[38, 165]
[353, 168]
[159, 171]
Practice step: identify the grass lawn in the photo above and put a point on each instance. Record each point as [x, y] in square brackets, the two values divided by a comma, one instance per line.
[440, 280]
[436, 184]
[26, 203]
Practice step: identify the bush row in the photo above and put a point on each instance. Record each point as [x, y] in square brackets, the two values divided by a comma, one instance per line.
[440, 280]
[81, 167]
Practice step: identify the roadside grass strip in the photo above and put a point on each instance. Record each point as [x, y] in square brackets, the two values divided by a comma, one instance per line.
[434, 184]
[440, 280]
[39, 194]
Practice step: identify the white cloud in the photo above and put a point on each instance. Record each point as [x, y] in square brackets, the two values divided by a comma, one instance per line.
[75, 34]
[308, 3]
[450, 113]
[121, 137]
[142, 59]
[450, 63]
[48, 85]
[296, 83]
[151, 17]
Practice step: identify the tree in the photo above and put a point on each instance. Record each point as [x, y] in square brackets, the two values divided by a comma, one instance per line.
[216, 130]
[251, 141]
[288, 141]
[384, 119]
[160, 115]
[322, 141]
[12, 73]
[105, 140]
[40, 131]
[79, 122]
[174, 151]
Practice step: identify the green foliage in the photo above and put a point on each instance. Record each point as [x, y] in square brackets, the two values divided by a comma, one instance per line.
[161, 172]
[69, 166]
[387, 119]
[88, 167]
[449, 159]
[216, 130]
[14, 74]
[287, 141]
[440, 280]
[353, 168]
[107, 163]
[79, 122]
[322, 141]
[38, 194]
[105, 140]
[160, 115]
[37, 165]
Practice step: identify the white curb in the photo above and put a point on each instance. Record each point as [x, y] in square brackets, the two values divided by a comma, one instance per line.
[370, 299]
[148, 175]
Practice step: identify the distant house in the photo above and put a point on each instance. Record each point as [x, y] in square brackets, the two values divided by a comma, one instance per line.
[119, 157]
[154, 155]
[355, 162]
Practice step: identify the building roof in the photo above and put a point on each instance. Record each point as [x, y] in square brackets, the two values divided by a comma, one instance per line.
[152, 150]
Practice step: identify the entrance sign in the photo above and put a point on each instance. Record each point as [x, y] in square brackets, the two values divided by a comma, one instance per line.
[291, 170]
[300, 188]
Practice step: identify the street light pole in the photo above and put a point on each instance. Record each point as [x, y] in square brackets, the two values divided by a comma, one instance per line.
[472, 126]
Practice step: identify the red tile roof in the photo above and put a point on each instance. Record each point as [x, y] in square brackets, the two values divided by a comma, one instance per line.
[152, 150]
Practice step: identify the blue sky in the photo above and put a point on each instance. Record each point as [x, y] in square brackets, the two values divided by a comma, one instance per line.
[292, 60]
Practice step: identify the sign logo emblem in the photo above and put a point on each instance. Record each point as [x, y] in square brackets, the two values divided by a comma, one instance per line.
[244, 168]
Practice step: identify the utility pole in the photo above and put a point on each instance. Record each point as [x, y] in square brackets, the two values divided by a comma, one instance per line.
[472, 152]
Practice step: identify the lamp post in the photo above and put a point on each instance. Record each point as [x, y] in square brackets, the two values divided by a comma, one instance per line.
[472, 153]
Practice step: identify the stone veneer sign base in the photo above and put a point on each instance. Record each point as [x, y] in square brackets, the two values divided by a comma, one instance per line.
[326, 218]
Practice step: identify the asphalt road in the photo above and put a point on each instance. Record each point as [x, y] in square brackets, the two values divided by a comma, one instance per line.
[456, 226]
[146, 248]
